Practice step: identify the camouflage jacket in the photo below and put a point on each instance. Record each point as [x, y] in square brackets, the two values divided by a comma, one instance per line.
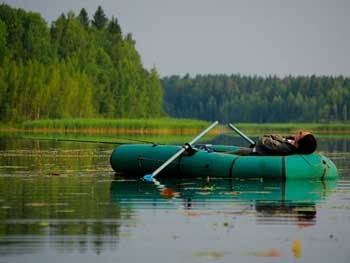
[274, 145]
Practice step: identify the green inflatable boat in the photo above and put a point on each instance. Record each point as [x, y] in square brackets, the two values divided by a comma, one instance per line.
[216, 161]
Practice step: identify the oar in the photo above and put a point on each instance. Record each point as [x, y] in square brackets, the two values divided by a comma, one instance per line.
[149, 177]
[74, 140]
[241, 134]
[89, 141]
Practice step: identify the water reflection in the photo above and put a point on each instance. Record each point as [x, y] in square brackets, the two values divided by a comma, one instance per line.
[80, 214]
[277, 202]
[60, 199]
[70, 213]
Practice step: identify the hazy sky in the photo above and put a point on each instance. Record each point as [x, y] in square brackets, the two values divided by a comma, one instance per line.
[250, 37]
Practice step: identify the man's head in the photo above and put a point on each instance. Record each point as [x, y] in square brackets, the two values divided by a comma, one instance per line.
[305, 142]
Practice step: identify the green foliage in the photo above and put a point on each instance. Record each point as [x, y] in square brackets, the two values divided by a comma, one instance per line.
[84, 18]
[255, 99]
[127, 124]
[74, 69]
[35, 39]
[100, 19]
[82, 68]
[3, 41]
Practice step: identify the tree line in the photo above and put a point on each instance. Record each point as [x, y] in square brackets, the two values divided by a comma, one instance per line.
[81, 67]
[76, 67]
[257, 99]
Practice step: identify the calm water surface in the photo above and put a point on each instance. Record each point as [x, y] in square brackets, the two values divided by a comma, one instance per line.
[61, 202]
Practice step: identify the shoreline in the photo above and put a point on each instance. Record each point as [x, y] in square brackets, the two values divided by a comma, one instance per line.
[165, 126]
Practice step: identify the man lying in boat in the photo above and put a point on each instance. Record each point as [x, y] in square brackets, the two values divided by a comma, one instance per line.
[302, 143]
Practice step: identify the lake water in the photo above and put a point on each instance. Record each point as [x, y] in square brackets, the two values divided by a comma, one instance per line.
[61, 202]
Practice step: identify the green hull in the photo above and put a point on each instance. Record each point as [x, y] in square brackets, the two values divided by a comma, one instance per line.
[141, 159]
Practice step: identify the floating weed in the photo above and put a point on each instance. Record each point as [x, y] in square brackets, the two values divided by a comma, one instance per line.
[245, 213]
[340, 207]
[226, 224]
[203, 193]
[210, 254]
[273, 253]
[37, 204]
[331, 236]
[195, 213]
[66, 211]
[209, 188]
[296, 248]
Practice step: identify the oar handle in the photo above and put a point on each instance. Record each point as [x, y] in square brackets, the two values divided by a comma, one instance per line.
[241, 134]
[149, 177]
[203, 133]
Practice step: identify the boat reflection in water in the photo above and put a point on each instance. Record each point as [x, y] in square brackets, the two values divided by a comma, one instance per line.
[271, 202]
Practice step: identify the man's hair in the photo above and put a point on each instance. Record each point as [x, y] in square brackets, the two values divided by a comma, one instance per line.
[307, 144]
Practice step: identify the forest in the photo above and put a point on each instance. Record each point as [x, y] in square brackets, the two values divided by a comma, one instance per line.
[82, 67]
[237, 98]
[75, 68]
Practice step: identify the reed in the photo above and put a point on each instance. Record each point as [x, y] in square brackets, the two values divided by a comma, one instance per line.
[111, 139]
[163, 131]
[123, 124]
[167, 126]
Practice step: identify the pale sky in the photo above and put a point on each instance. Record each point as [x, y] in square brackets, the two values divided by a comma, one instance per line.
[248, 37]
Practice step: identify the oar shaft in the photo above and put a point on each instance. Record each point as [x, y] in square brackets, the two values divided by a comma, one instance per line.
[203, 132]
[160, 168]
[241, 134]
[184, 148]
[150, 177]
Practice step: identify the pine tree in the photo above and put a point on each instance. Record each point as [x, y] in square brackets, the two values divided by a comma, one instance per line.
[100, 20]
[114, 30]
[84, 18]
[3, 43]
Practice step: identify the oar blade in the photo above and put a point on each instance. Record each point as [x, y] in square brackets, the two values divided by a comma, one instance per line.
[149, 177]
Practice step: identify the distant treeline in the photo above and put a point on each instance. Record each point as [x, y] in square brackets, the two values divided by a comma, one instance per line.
[258, 99]
[86, 68]
[77, 67]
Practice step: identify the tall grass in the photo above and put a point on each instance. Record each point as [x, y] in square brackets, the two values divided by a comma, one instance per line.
[170, 125]
[164, 130]
[137, 124]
